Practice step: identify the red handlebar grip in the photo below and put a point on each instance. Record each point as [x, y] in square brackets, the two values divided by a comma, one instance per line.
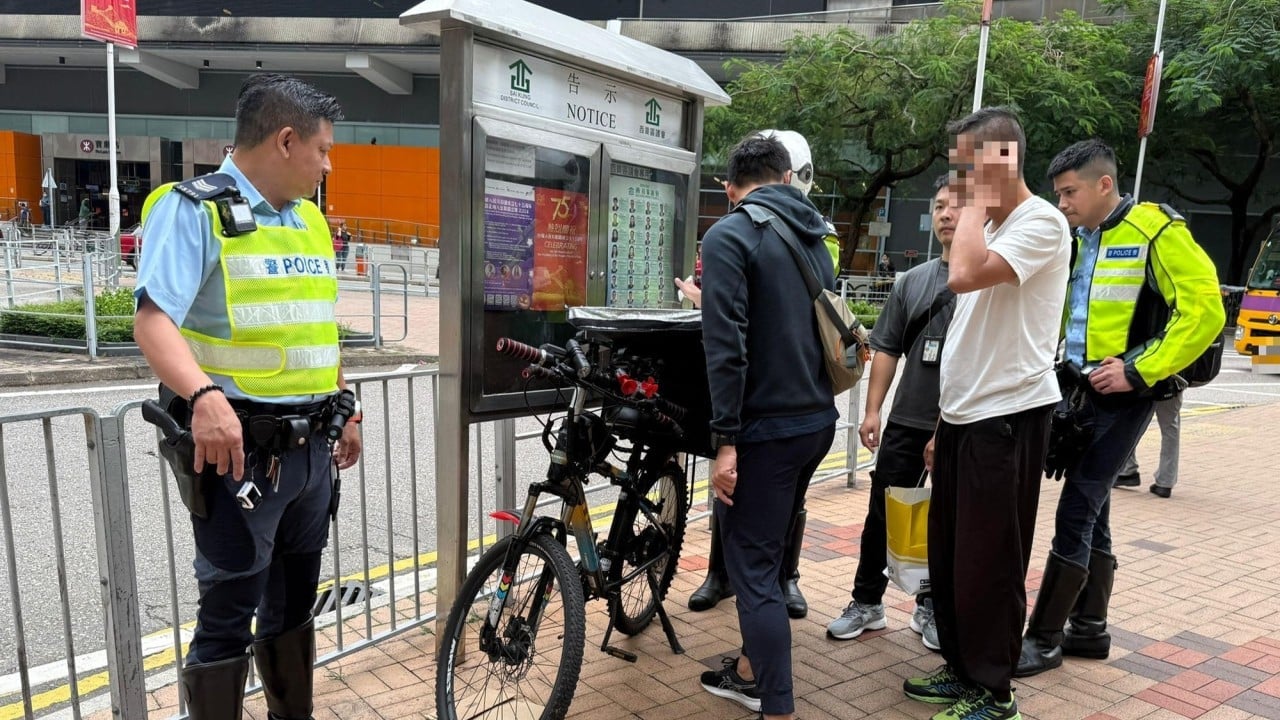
[517, 349]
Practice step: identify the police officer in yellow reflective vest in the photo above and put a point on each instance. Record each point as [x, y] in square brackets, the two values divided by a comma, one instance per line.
[235, 298]
[1142, 305]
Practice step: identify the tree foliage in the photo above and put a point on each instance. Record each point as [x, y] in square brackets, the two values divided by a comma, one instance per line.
[874, 109]
[1216, 128]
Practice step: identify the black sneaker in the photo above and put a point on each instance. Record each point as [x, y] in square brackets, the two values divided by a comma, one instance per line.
[726, 683]
[1127, 480]
[942, 687]
[1161, 491]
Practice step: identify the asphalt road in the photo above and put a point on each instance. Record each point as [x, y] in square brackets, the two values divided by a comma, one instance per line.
[377, 522]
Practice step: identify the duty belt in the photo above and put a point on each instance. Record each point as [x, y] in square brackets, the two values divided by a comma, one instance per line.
[274, 427]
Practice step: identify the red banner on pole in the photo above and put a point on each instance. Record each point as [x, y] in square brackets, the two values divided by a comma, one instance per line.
[986, 11]
[114, 21]
[1150, 95]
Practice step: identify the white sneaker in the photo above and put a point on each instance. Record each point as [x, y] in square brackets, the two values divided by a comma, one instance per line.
[923, 622]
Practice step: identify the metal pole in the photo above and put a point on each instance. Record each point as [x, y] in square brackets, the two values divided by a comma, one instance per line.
[851, 437]
[983, 40]
[504, 457]
[376, 287]
[57, 263]
[8, 271]
[113, 195]
[90, 311]
[1142, 145]
[117, 565]
[1142, 157]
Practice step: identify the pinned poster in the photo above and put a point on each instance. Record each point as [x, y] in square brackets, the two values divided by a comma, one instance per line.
[559, 250]
[508, 245]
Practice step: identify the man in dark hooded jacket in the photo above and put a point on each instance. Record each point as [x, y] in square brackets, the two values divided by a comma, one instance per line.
[773, 412]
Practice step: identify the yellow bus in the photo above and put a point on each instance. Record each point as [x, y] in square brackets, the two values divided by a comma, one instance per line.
[1260, 307]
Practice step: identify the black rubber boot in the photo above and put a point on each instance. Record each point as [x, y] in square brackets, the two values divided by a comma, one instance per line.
[797, 607]
[716, 587]
[215, 691]
[1086, 634]
[285, 664]
[1042, 645]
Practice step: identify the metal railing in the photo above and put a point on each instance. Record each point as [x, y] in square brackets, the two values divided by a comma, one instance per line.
[865, 288]
[37, 271]
[380, 231]
[125, 604]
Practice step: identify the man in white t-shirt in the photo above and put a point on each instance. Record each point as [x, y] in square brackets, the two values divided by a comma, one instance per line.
[1009, 265]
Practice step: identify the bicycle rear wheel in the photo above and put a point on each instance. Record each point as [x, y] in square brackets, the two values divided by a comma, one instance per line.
[527, 664]
[653, 537]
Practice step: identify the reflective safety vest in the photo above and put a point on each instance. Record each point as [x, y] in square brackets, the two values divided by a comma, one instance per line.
[1152, 286]
[281, 291]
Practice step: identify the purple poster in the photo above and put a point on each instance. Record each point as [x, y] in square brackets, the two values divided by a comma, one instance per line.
[508, 245]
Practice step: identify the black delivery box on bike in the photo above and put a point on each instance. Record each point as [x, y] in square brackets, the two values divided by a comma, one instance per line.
[672, 340]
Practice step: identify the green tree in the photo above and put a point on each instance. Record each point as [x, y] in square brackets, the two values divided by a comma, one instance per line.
[875, 109]
[1215, 136]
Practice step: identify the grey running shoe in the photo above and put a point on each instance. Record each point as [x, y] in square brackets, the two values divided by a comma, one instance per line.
[726, 683]
[856, 618]
[923, 622]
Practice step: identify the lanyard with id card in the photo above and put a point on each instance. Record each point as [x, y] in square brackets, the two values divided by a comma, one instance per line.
[931, 350]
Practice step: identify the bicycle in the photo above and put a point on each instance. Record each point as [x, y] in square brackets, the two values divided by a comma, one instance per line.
[513, 642]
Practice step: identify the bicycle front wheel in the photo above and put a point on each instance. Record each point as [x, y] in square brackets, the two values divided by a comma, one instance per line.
[526, 664]
[656, 522]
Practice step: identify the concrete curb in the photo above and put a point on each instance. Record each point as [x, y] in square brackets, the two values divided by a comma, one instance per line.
[112, 369]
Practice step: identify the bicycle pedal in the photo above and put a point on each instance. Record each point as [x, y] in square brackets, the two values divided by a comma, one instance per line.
[621, 654]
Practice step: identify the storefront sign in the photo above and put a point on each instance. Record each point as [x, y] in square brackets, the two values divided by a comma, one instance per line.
[521, 82]
[75, 146]
[97, 147]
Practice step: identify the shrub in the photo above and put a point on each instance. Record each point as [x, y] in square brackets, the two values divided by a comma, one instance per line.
[867, 312]
[65, 318]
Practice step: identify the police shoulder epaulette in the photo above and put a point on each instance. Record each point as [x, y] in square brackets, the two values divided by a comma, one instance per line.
[208, 187]
[1173, 214]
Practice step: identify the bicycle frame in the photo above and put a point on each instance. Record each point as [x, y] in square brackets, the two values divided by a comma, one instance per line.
[566, 481]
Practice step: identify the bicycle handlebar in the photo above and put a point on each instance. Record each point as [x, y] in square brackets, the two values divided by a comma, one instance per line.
[528, 353]
[578, 358]
[550, 362]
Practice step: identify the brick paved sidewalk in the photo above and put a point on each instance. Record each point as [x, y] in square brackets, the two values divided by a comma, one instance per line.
[1195, 616]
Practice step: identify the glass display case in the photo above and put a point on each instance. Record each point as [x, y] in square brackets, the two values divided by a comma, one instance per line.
[565, 222]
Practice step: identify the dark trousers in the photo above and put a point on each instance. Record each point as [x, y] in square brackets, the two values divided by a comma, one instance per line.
[1083, 522]
[265, 562]
[773, 477]
[899, 463]
[982, 519]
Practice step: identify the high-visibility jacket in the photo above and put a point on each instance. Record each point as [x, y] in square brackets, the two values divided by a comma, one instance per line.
[281, 291]
[1153, 287]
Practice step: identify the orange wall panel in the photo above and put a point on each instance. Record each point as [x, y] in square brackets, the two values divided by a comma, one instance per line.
[384, 182]
[20, 172]
[354, 157]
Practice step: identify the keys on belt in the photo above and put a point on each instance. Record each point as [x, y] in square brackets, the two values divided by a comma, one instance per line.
[276, 434]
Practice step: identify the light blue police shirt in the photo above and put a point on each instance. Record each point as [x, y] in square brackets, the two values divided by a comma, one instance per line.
[179, 271]
[1081, 283]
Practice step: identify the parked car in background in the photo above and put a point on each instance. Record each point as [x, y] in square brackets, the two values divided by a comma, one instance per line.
[130, 245]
